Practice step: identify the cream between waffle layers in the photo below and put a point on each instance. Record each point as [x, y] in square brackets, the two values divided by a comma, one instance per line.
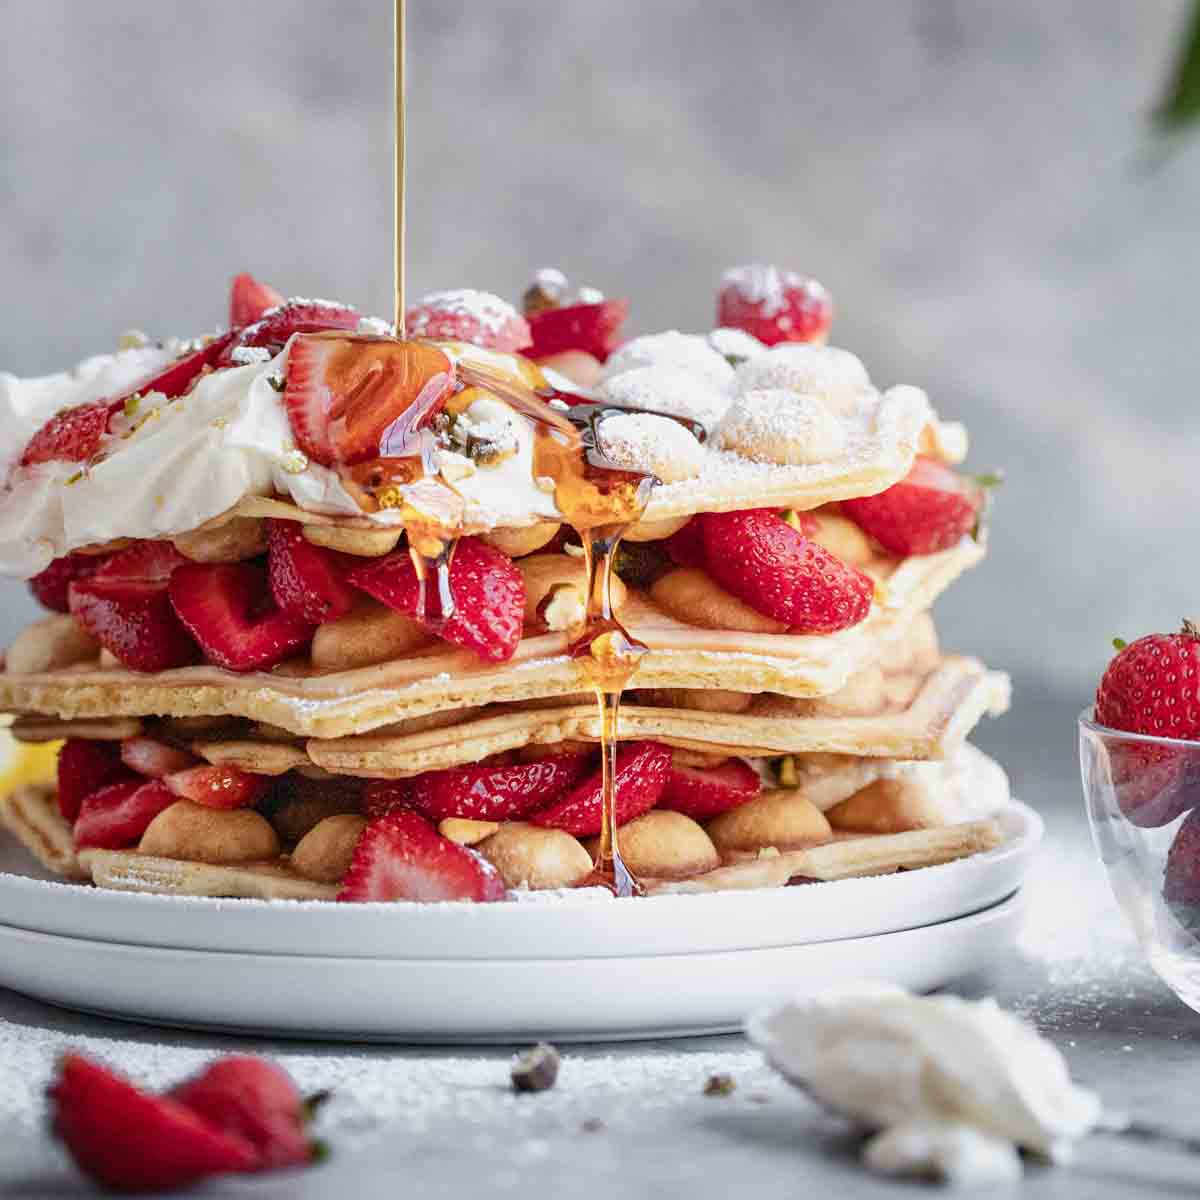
[319, 609]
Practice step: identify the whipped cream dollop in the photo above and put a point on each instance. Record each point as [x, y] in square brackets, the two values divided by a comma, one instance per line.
[953, 1087]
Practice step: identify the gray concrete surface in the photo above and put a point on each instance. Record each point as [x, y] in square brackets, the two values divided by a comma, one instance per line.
[440, 1122]
[964, 176]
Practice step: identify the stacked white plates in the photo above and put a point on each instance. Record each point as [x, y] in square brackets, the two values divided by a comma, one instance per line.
[576, 966]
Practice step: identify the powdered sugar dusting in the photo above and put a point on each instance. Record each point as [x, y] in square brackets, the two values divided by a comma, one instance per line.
[781, 426]
[767, 286]
[655, 444]
[491, 314]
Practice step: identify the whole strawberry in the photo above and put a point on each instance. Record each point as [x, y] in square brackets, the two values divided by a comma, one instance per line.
[1152, 686]
[930, 509]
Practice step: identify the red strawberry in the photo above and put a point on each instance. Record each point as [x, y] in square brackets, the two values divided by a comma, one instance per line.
[400, 856]
[353, 400]
[152, 758]
[307, 581]
[592, 328]
[294, 316]
[762, 560]
[932, 508]
[116, 816]
[482, 793]
[85, 767]
[488, 592]
[466, 315]
[1153, 686]
[642, 770]
[49, 587]
[134, 620]
[686, 545]
[177, 378]
[774, 305]
[1181, 881]
[218, 786]
[73, 435]
[227, 609]
[255, 1101]
[130, 1141]
[143, 562]
[249, 299]
[702, 793]
[1153, 782]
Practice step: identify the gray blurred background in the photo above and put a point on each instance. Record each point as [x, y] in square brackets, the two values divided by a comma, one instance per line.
[968, 178]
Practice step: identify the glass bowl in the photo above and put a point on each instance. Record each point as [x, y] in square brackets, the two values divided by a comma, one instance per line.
[1143, 804]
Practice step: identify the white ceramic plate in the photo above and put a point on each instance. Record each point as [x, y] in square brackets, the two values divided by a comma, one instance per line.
[571, 926]
[478, 1000]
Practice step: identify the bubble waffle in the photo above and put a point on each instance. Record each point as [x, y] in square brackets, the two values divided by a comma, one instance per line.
[779, 836]
[440, 678]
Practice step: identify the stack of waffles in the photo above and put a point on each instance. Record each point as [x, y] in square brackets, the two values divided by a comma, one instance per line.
[316, 597]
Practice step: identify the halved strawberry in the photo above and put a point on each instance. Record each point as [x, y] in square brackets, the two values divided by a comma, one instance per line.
[488, 593]
[481, 793]
[702, 793]
[774, 305]
[143, 562]
[642, 770]
[249, 299]
[134, 620]
[130, 1141]
[73, 435]
[294, 316]
[49, 587]
[593, 328]
[116, 816]
[152, 758]
[401, 856]
[307, 581]
[762, 560]
[466, 315]
[85, 767]
[932, 508]
[252, 1099]
[218, 786]
[227, 608]
[351, 400]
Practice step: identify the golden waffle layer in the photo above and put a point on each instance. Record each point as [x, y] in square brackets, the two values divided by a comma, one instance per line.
[439, 678]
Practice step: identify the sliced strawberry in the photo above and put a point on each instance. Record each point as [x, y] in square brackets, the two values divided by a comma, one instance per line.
[294, 316]
[762, 560]
[73, 435]
[130, 1141]
[49, 587]
[249, 299]
[176, 379]
[774, 305]
[307, 581]
[143, 562]
[702, 793]
[85, 767]
[256, 1101]
[401, 856]
[227, 609]
[466, 315]
[593, 328]
[932, 508]
[133, 620]
[686, 545]
[481, 793]
[116, 816]
[352, 400]
[218, 786]
[642, 770]
[152, 758]
[488, 593]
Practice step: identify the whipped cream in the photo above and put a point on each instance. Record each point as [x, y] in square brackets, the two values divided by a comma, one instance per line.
[968, 785]
[951, 1081]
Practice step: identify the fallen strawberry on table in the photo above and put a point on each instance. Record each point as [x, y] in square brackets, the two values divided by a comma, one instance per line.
[240, 1114]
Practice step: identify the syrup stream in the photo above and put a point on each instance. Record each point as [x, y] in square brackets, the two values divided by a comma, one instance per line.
[399, 195]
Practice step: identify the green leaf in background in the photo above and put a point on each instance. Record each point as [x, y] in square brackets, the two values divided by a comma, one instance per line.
[1181, 104]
